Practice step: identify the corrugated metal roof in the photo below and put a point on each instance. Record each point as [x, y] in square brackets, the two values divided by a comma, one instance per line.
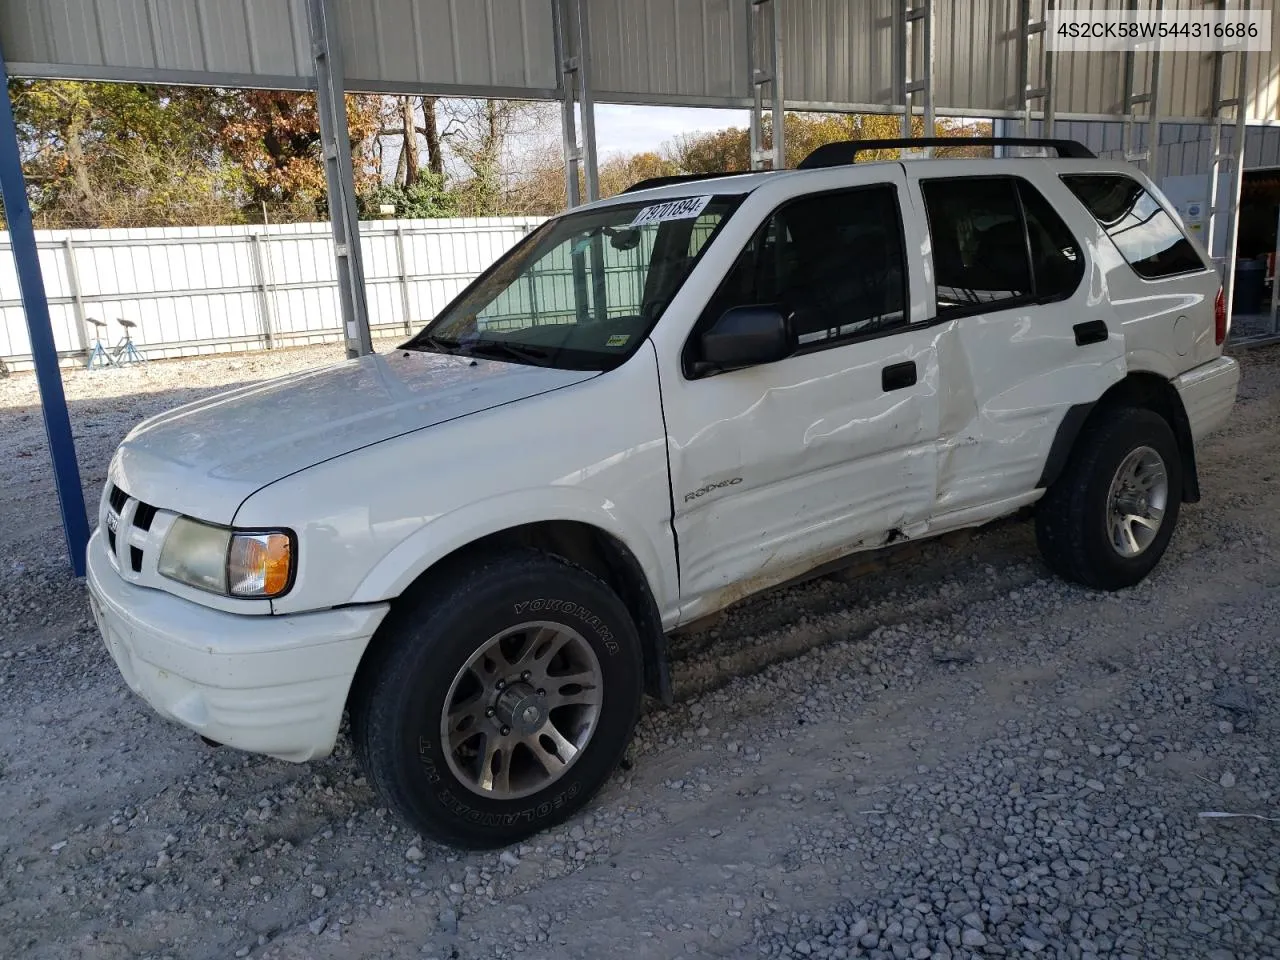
[837, 53]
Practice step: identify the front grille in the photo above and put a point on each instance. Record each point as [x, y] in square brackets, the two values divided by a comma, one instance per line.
[128, 523]
[143, 516]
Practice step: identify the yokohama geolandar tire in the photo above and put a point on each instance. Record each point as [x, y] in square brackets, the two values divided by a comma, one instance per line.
[1107, 519]
[500, 701]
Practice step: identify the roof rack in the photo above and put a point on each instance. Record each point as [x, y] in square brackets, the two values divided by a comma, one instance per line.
[652, 182]
[845, 151]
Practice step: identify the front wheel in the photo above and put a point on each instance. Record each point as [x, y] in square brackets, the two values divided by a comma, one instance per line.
[1107, 520]
[500, 700]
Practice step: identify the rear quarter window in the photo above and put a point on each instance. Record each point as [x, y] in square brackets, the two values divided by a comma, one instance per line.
[1150, 240]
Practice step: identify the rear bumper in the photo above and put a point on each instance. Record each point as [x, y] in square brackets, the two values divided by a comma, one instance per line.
[1208, 393]
[267, 684]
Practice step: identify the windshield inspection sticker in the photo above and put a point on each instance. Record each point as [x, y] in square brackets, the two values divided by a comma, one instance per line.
[618, 340]
[684, 209]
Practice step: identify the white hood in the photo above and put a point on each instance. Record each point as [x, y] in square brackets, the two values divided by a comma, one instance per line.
[204, 459]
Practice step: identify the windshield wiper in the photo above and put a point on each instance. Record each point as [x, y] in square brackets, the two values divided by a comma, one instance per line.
[520, 352]
[433, 343]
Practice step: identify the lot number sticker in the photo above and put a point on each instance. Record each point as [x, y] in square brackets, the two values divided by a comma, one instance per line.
[683, 209]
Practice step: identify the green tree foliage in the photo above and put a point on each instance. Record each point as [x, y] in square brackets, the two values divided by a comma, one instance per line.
[729, 150]
[273, 137]
[100, 154]
[426, 198]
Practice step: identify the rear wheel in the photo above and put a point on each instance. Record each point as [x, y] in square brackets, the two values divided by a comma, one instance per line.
[500, 700]
[1107, 520]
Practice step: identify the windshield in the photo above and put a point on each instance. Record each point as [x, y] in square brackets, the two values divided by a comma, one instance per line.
[583, 291]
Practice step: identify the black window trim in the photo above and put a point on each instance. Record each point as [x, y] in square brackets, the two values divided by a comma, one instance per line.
[1013, 303]
[1204, 267]
[688, 352]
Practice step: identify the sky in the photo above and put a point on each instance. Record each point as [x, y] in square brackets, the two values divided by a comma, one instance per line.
[635, 129]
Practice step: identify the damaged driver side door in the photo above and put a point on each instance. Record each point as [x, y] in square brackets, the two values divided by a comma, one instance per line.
[780, 467]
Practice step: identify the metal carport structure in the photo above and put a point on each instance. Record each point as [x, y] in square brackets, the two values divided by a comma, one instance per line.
[965, 58]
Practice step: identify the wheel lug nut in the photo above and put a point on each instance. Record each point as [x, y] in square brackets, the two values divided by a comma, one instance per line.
[501, 684]
[541, 692]
[489, 712]
[505, 730]
[526, 675]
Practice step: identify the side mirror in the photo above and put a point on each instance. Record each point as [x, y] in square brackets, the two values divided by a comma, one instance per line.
[745, 337]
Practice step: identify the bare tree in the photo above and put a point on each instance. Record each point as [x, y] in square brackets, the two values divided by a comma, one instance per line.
[487, 137]
[430, 130]
[407, 119]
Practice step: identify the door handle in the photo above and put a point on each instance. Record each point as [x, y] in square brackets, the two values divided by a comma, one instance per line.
[1091, 331]
[896, 376]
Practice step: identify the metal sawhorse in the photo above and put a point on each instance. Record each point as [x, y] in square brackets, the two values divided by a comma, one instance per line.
[98, 355]
[125, 351]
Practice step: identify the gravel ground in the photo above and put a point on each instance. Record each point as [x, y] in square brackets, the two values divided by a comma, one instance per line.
[944, 752]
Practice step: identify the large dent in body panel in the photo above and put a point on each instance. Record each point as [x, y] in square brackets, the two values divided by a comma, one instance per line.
[782, 476]
[1006, 447]
[958, 411]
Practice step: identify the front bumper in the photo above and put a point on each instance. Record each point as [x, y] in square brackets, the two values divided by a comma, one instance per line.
[267, 684]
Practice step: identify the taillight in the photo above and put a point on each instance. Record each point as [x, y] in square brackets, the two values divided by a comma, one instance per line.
[1219, 319]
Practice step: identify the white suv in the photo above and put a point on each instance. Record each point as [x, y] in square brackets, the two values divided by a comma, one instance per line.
[650, 408]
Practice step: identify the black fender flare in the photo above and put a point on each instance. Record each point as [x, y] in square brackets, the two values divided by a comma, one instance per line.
[1136, 390]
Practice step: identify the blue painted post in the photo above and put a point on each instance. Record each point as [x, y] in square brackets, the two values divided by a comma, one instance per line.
[57, 422]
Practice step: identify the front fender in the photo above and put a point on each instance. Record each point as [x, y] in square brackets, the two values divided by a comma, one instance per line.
[449, 532]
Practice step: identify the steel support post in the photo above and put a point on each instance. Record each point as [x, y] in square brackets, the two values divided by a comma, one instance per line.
[1216, 221]
[44, 353]
[573, 57]
[1272, 328]
[402, 273]
[764, 68]
[587, 104]
[1148, 158]
[914, 31]
[335, 141]
[1027, 29]
[257, 263]
[77, 294]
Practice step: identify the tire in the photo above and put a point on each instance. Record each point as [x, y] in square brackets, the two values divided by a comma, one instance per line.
[400, 724]
[1074, 522]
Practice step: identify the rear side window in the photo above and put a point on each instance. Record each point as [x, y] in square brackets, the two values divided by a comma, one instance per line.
[1146, 236]
[834, 261]
[997, 242]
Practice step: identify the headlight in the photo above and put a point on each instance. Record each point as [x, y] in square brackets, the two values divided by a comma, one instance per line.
[255, 563]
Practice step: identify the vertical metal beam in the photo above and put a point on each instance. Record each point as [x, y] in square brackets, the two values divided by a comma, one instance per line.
[779, 108]
[1024, 65]
[335, 141]
[1049, 110]
[764, 68]
[1149, 157]
[257, 264]
[1237, 176]
[587, 104]
[572, 45]
[1272, 329]
[1028, 28]
[902, 65]
[35, 305]
[914, 22]
[402, 273]
[77, 294]
[1214, 212]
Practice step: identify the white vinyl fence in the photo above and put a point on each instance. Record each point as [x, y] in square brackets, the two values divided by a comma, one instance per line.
[195, 290]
